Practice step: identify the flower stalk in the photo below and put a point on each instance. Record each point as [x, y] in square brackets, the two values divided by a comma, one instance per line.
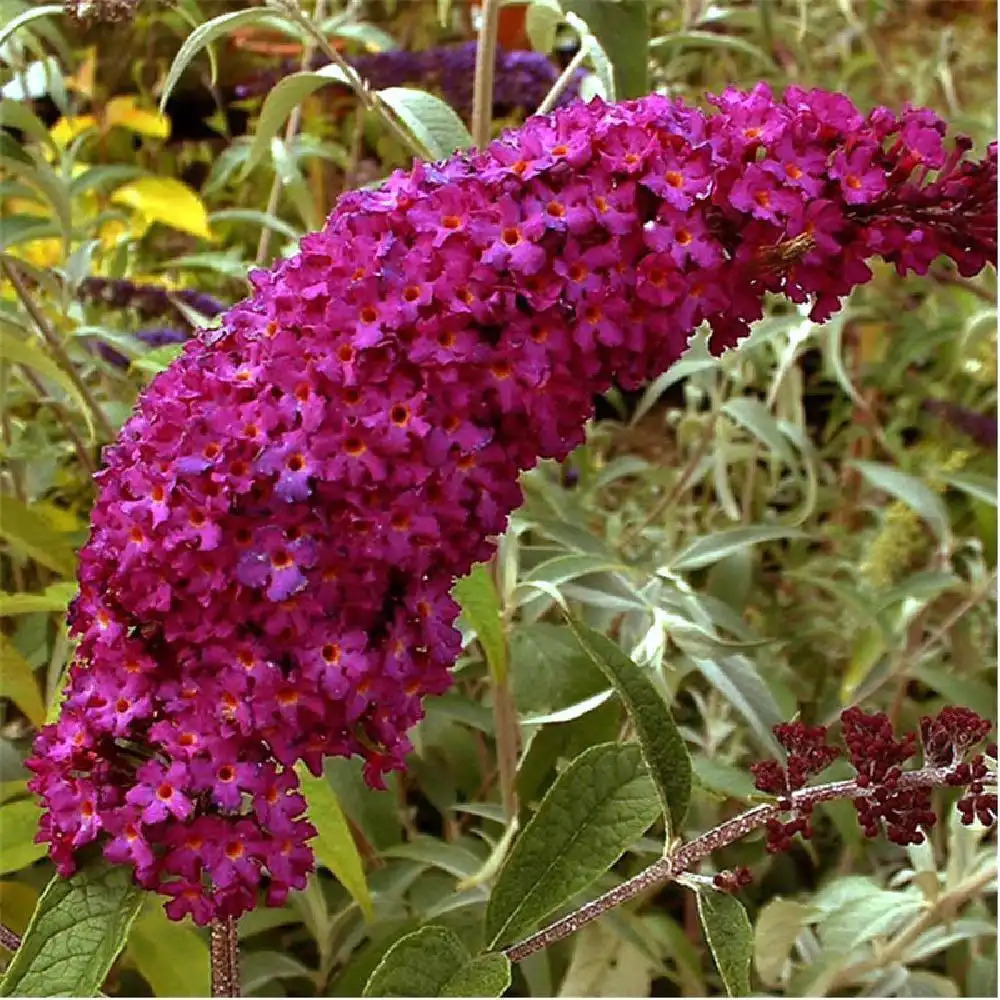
[683, 859]
[482, 88]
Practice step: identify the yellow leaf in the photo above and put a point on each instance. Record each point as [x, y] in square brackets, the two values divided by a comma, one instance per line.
[82, 80]
[43, 253]
[27, 206]
[166, 200]
[122, 111]
[67, 129]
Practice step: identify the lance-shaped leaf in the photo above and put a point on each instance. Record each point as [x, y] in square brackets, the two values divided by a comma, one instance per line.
[284, 96]
[591, 815]
[661, 743]
[172, 957]
[730, 936]
[477, 594]
[432, 122]
[334, 846]
[77, 931]
[433, 962]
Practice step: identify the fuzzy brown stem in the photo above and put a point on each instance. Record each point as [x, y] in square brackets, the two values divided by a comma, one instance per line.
[682, 859]
[225, 958]
[8, 939]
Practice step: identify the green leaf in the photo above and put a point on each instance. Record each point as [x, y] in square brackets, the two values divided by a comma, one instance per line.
[755, 417]
[595, 809]
[334, 845]
[76, 933]
[779, 924]
[981, 487]
[287, 169]
[711, 40]
[278, 105]
[549, 671]
[171, 956]
[477, 594]
[27, 531]
[483, 976]
[159, 359]
[622, 29]
[915, 494]
[204, 35]
[662, 745]
[18, 115]
[609, 960]
[730, 936]
[541, 22]
[599, 59]
[433, 962]
[54, 598]
[30, 354]
[736, 678]
[956, 688]
[17, 682]
[27, 16]
[432, 122]
[40, 175]
[711, 548]
[19, 823]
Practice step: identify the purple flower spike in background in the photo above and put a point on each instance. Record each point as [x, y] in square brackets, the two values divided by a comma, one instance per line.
[522, 79]
[279, 526]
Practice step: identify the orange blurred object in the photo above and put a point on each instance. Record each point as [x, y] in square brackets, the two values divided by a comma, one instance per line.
[270, 43]
[512, 32]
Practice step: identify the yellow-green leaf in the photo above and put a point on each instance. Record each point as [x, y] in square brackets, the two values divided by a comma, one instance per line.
[75, 934]
[19, 823]
[31, 354]
[17, 903]
[477, 594]
[171, 956]
[17, 682]
[53, 598]
[334, 845]
[29, 532]
[168, 201]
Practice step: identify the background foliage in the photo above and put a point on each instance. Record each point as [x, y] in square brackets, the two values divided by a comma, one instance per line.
[799, 526]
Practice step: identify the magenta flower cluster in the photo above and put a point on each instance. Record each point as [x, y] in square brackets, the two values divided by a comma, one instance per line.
[280, 524]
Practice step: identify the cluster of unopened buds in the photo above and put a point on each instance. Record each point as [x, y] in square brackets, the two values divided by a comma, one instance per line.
[884, 795]
[278, 528]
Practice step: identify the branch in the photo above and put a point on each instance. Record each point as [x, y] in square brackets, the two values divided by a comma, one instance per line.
[294, 120]
[8, 939]
[371, 101]
[55, 346]
[682, 859]
[482, 88]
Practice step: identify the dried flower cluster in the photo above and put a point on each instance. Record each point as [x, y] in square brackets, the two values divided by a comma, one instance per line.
[522, 79]
[877, 756]
[280, 524]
